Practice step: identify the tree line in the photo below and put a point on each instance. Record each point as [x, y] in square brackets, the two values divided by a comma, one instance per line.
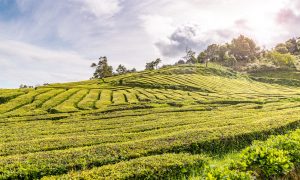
[240, 52]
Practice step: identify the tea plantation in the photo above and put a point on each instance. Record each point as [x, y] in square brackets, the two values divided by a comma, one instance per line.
[178, 122]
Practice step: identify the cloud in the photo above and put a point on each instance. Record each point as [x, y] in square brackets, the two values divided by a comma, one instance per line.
[242, 24]
[72, 23]
[191, 36]
[288, 18]
[26, 63]
[100, 8]
[36, 35]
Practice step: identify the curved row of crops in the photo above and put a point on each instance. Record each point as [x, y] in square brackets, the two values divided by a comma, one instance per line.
[276, 158]
[48, 147]
[148, 127]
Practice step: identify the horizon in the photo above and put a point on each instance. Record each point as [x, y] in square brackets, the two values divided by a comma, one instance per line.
[46, 42]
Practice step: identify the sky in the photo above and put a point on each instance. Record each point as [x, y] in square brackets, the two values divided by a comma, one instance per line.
[49, 41]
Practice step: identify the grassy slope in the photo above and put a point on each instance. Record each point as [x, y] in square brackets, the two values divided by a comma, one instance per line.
[63, 128]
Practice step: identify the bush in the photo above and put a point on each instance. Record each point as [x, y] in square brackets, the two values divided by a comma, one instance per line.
[214, 174]
[282, 60]
[266, 161]
[278, 157]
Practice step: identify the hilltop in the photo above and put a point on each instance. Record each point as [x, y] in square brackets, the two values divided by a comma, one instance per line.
[173, 122]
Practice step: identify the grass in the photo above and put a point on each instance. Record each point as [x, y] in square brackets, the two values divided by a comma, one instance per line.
[143, 128]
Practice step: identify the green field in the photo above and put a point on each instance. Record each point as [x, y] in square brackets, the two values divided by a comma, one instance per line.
[179, 122]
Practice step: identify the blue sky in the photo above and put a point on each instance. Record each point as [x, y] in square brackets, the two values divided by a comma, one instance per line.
[48, 41]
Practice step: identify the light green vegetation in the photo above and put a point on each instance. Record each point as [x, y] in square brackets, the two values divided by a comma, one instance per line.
[70, 105]
[276, 158]
[154, 124]
[89, 101]
[167, 166]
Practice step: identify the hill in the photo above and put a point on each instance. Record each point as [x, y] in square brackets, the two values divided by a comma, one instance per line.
[182, 121]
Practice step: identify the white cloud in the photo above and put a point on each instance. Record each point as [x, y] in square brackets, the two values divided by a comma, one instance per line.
[191, 36]
[216, 21]
[288, 18]
[26, 63]
[100, 8]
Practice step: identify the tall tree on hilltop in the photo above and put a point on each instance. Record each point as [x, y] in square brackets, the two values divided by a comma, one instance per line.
[153, 64]
[157, 62]
[212, 52]
[190, 56]
[102, 68]
[281, 48]
[150, 66]
[293, 45]
[244, 49]
[121, 69]
[201, 57]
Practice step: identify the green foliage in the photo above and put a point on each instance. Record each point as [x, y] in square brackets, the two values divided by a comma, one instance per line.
[265, 161]
[243, 48]
[281, 48]
[153, 64]
[7, 95]
[102, 68]
[101, 128]
[275, 158]
[167, 166]
[20, 101]
[89, 101]
[291, 46]
[226, 174]
[71, 104]
[281, 60]
[57, 99]
[190, 57]
[272, 159]
[229, 60]
[212, 52]
[201, 57]
[105, 99]
[121, 69]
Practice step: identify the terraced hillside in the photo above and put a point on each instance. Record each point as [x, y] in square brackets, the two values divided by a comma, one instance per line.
[173, 123]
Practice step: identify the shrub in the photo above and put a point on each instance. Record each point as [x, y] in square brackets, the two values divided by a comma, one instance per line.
[265, 161]
[217, 173]
[282, 60]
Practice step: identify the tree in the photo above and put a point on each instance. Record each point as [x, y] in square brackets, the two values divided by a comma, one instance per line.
[23, 86]
[201, 57]
[223, 51]
[190, 56]
[212, 53]
[102, 68]
[298, 45]
[153, 64]
[132, 70]
[281, 48]
[150, 66]
[291, 45]
[157, 62]
[181, 61]
[229, 60]
[244, 49]
[121, 69]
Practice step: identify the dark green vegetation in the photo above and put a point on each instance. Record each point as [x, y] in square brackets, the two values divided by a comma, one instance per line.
[175, 122]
